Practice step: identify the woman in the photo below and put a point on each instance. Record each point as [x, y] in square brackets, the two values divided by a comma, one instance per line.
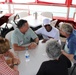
[4, 68]
[60, 63]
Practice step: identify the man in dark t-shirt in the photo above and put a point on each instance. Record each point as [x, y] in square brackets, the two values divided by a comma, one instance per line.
[58, 66]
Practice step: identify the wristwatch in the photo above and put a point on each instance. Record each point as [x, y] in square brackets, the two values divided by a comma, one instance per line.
[15, 64]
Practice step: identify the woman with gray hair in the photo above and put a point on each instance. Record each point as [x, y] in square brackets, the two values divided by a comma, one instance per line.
[60, 63]
[53, 49]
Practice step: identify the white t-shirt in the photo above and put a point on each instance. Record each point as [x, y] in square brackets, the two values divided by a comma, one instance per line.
[54, 33]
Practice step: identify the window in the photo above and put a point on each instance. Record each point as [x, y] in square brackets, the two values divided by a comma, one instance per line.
[2, 0]
[73, 1]
[23, 1]
[57, 11]
[6, 9]
[71, 12]
[54, 1]
[19, 8]
[75, 17]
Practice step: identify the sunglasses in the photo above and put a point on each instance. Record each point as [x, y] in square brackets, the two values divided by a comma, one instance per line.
[47, 25]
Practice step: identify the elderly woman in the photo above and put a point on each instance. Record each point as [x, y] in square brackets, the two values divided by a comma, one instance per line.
[4, 68]
[60, 63]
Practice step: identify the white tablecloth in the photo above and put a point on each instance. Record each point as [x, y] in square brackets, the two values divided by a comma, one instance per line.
[34, 22]
[37, 56]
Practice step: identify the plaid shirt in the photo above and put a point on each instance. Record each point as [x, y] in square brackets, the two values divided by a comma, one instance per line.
[5, 69]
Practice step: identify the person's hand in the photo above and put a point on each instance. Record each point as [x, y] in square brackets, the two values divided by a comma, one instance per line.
[9, 62]
[44, 40]
[16, 60]
[50, 37]
[15, 68]
[32, 45]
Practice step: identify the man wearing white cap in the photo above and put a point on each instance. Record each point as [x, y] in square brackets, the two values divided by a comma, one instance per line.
[48, 31]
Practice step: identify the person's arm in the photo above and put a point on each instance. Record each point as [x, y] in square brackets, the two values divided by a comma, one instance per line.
[36, 40]
[15, 43]
[33, 44]
[10, 54]
[18, 48]
[6, 70]
[72, 49]
[69, 56]
[14, 58]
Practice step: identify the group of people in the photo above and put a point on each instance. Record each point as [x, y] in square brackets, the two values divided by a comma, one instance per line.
[23, 34]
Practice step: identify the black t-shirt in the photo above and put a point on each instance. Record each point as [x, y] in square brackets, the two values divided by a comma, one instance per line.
[55, 67]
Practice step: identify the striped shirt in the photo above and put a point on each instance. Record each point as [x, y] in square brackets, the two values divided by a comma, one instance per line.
[5, 69]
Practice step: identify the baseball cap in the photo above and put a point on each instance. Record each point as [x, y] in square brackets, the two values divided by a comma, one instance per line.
[46, 21]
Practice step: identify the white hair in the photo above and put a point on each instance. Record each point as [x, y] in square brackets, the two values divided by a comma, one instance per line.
[53, 48]
[67, 28]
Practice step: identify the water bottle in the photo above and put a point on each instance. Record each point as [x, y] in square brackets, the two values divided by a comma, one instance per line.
[35, 14]
[27, 56]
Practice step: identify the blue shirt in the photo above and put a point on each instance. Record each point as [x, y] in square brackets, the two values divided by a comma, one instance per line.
[71, 44]
[74, 32]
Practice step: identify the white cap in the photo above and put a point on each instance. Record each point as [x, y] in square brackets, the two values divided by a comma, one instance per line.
[46, 21]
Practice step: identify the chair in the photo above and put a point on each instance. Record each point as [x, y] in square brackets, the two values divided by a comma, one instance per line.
[7, 25]
[14, 22]
[53, 23]
[8, 36]
[11, 18]
[5, 28]
[47, 14]
[14, 25]
[22, 14]
[73, 69]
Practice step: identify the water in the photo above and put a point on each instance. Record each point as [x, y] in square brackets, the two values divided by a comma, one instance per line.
[27, 56]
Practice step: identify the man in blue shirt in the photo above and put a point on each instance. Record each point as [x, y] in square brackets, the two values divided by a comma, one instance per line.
[67, 30]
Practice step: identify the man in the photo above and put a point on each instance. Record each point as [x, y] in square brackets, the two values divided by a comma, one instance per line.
[23, 35]
[67, 30]
[48, 31]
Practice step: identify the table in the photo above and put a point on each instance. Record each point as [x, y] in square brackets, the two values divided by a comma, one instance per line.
[37, 56]
[34, 22]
